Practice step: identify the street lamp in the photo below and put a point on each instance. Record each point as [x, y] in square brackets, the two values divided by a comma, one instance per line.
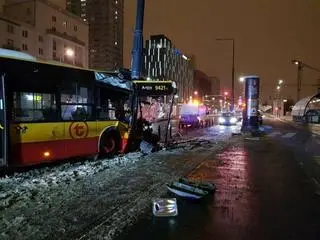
[278, 87]
[301, 65]
[232, 84]
[195, 92]
[280, 82]
[241, 79]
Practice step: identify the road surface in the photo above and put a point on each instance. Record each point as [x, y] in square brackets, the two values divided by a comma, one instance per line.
[174, 123]
[266, 189]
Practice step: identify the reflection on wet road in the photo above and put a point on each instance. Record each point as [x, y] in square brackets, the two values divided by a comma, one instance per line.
[262, 193]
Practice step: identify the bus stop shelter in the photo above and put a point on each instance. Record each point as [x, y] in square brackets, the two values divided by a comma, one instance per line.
[307, 110]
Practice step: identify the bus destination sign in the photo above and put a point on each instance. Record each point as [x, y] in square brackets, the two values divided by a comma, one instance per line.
[154, 88]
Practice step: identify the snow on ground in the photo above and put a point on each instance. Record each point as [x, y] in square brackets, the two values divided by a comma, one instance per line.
[67, 201]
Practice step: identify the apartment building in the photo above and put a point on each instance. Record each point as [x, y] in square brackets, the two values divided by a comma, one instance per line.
[105, 19]
[45, 31]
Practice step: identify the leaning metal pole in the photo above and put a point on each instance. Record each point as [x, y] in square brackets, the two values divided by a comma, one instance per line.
[136, 62]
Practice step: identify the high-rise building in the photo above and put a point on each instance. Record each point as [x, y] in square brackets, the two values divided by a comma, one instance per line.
[162, 61]
[45, 31]
[202, 83]
[105, 19]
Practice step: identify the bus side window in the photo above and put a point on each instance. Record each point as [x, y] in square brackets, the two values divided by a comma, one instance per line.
[76, 102]
[34, 107]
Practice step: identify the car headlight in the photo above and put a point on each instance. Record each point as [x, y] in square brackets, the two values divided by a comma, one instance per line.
[221, 120]
[233, 120]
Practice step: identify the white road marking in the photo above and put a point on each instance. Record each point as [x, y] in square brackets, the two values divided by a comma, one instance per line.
[289, 135]
[274, 134]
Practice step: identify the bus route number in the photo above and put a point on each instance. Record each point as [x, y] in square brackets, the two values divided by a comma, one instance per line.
[160, 88]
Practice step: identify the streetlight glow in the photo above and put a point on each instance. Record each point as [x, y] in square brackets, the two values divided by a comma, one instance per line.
[278, 87]
[241, 79]
[69, 52]
[195, 92]
[280, 81]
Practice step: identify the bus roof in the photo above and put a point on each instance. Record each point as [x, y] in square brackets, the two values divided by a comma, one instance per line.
[17, 55]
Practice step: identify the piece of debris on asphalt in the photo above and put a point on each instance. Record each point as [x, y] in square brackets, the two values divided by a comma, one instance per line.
[236, 133]
[165, 207]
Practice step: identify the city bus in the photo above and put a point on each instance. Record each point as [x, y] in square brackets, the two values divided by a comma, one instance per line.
[52, 112]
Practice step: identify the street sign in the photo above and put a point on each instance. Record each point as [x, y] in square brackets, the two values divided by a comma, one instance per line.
[154, 88]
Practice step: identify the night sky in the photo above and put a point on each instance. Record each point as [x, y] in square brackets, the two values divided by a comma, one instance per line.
[268, 34]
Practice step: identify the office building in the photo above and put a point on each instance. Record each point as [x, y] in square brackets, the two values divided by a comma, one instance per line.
[105, 19]
[45, 31]
[215, 85]
[163, 61]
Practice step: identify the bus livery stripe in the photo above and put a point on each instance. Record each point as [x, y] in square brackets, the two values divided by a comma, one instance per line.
[31, 153]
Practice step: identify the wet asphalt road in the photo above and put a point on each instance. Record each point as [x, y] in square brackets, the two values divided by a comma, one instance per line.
[265, 190]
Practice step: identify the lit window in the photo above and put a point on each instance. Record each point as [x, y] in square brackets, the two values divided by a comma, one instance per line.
[64, 24]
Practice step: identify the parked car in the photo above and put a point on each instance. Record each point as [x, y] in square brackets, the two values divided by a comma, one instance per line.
[195, 116]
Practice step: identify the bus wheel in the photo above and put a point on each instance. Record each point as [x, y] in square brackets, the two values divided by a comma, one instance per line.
[109, 145]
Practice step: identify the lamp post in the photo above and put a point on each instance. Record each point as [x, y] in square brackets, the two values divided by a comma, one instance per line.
[301, 65]
[232, 83]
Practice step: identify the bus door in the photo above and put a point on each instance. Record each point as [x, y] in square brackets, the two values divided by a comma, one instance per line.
[3, 125]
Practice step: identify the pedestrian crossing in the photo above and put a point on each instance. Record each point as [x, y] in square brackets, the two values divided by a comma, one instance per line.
[282, 134]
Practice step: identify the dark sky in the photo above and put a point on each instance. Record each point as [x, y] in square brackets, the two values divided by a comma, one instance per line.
[268, 34]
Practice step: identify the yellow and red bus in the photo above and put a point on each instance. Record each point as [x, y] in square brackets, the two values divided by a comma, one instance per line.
[52, 112]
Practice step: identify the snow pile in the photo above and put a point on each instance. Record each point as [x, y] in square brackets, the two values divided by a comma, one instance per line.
[24, 186]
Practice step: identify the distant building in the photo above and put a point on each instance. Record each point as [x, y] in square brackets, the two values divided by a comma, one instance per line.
[105, 19]
[202, 83]
[215, 85]
[45, 31]
[162, 61]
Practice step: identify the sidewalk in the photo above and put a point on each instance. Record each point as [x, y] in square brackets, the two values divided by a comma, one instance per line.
[313, 128]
